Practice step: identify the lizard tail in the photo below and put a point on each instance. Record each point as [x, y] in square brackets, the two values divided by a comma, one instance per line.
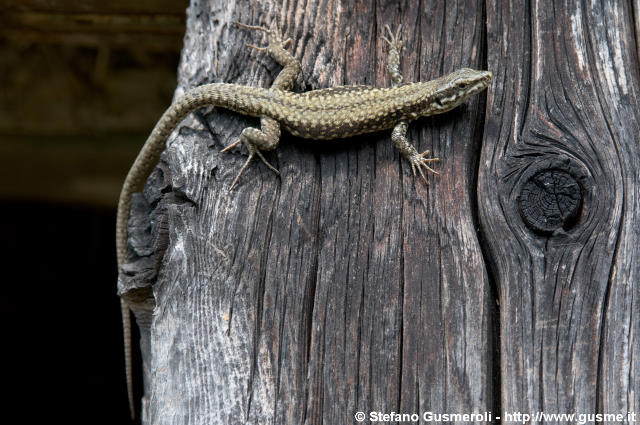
[228, 96]
[126, 330]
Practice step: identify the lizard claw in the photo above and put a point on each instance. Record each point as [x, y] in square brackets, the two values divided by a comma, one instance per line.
[244, 167]
[271, 167]
[274, 38]
[418, 161]
[231, 146]
[394, 40]
[252, 27]
[260, 49]
[253, 151]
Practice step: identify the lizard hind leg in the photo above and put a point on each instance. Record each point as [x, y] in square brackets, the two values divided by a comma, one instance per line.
[257, 140]
[267, 137]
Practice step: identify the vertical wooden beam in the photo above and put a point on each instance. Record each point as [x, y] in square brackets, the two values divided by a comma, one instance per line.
[559, 203]
[345, 284]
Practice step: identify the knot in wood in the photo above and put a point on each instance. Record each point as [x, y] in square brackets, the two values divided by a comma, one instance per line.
[550, 200]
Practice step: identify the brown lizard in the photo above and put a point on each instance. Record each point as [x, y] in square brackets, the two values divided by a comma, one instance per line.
[318, 114]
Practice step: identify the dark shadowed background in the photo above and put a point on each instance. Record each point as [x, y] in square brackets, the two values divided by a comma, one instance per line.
[81, 85]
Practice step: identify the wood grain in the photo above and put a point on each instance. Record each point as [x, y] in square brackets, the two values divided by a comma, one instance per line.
[344, 285]
[565, 97]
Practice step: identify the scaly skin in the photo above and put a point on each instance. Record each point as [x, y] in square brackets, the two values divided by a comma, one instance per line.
[319, 114]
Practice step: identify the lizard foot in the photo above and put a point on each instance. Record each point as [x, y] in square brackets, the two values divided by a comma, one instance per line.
[275, 40]
[418, 161]
[393, 58]
[394, 40]
[253, 151]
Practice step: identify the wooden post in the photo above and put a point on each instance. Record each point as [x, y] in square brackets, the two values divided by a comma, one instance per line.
[346, 285]
[559, 202]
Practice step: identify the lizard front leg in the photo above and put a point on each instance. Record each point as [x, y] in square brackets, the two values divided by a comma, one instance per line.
[417, 160]
[268, 136]
[393, 58]
[399, 133]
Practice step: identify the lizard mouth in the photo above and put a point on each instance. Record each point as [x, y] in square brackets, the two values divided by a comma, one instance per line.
[446, 102]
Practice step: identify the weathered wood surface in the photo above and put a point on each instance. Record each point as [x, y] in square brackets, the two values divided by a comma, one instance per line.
[147, 24]
[346, 285]
[565, 98]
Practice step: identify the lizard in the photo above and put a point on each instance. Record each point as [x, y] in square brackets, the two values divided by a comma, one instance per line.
[321, 114]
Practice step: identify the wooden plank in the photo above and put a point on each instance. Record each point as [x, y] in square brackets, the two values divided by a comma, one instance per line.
[559, 204]
[344, 285]
[76, 102]
[145, 25]
[97, 6]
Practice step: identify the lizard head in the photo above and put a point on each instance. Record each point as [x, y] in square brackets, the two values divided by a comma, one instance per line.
[455, 88]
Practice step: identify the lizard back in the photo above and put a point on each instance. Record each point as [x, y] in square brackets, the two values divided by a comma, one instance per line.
[321, 114]
[346, 111]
